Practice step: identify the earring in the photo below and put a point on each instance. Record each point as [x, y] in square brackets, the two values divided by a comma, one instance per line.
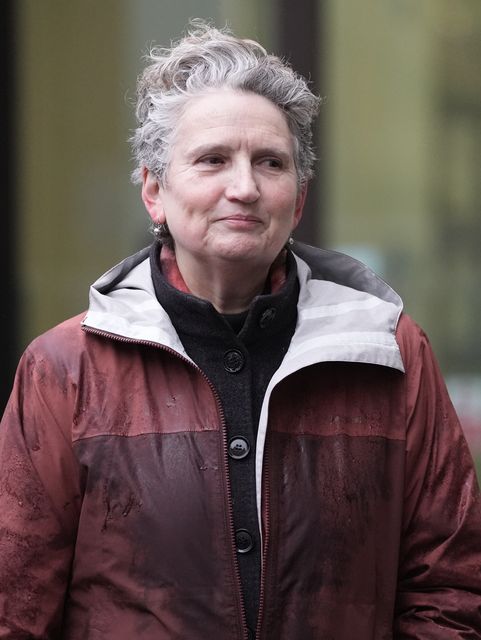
[160, 230]
[290, 242]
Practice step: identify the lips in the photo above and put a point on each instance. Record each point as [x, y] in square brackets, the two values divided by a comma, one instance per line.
[241, 218]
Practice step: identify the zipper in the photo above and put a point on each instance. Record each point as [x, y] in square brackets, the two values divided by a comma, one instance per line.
[220, 411]
[266, 526]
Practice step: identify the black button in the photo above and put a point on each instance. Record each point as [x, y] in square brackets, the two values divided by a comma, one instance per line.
[243, 541]
[267, 317]
[238, 448]
[233, 361]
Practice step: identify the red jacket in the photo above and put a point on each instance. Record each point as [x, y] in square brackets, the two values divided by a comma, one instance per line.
[115, 513]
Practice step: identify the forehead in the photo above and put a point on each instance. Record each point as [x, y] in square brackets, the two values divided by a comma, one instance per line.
[239, 116]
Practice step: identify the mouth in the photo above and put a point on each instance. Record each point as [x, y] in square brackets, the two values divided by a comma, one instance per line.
[241, 219]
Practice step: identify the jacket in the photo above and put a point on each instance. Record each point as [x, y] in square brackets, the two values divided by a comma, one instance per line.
[115, 511]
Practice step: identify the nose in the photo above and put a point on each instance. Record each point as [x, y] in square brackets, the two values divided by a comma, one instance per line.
[242, 183]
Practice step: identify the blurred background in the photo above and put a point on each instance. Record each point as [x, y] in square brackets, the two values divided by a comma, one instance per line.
[398, 181]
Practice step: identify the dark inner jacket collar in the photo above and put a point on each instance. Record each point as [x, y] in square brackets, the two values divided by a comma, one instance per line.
[269, 311]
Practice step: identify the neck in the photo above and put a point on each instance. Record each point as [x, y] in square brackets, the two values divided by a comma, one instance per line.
[230, 287]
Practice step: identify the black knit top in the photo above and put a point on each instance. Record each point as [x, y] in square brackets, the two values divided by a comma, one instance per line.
[239, 353]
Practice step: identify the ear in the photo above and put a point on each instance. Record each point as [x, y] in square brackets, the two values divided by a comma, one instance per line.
[300, 201]
[152, 196]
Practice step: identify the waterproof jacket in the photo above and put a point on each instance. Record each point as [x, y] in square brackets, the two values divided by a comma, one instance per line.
[115, 510]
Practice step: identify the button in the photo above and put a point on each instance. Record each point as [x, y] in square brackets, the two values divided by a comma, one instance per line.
[238, 447]
[267, 317]
[233, 361]
[243, 541]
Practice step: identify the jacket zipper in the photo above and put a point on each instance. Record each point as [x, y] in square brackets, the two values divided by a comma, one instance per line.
[265, 544]
[220, 411]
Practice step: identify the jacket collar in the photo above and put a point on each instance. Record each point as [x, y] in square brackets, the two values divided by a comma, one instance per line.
[345, 312]
[123, 303]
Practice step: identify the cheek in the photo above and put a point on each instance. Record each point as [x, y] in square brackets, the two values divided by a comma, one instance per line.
[285, 203]
[284, 191]
[194, 198]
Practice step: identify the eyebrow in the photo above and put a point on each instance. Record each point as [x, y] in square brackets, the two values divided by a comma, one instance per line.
[209, 147]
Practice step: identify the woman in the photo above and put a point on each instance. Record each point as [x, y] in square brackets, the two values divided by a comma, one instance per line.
[243, 437]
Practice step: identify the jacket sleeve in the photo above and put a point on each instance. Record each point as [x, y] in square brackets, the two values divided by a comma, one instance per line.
[439, 584]
[39, 500]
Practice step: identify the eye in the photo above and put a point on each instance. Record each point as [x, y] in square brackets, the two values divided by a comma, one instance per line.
[272, 163]
[211, 160]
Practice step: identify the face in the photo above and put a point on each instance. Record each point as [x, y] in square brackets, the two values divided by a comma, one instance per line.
[230, 193]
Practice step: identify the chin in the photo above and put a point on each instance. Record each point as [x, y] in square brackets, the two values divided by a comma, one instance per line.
[244, 250]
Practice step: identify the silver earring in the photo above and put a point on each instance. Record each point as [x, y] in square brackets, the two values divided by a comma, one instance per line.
[160, 230]
[290, 242]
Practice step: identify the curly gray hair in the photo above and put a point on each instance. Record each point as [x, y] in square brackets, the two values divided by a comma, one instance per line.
[207, 59]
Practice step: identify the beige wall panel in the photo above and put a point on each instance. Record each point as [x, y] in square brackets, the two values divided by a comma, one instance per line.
[79, 214]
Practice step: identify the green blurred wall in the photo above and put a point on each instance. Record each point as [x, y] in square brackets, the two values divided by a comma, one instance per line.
[404, 148]
[77, 66]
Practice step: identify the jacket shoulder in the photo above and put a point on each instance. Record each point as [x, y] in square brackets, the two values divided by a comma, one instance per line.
[60, 341]
[55, 355]
[413, 342]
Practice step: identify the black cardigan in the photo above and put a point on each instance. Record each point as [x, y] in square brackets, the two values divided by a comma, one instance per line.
[239, 354]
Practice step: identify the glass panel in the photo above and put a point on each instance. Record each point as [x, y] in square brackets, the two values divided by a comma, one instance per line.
[404, 126]
[78, 208]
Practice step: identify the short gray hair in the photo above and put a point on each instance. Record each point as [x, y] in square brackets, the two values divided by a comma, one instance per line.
[207, 59]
